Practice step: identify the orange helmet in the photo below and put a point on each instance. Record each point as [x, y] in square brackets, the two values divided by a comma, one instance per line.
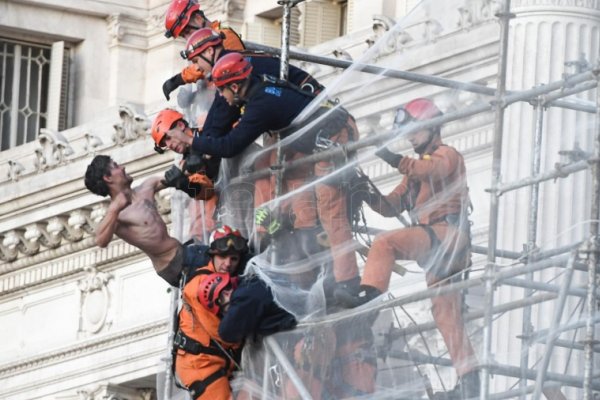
[231, 67]
[210, 288]
[225, 240]
[416, 110]
[178, 16]
[162, 124]
[199, 41]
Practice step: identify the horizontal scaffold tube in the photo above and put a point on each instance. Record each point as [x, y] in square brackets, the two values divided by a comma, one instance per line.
[416, 77]
[417, 126]
[437, 291]
[500, 369]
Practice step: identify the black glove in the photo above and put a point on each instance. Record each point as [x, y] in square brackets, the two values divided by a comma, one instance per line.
[391, 158]
[193, 162]
[174, 177]
[171, 84]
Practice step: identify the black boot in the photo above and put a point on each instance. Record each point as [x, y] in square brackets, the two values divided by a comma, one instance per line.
[350, 297]
[467, 388]
[470, 384]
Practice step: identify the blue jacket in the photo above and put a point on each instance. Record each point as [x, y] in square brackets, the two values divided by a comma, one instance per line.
[269, 108]
[253, 312]
[221, 116]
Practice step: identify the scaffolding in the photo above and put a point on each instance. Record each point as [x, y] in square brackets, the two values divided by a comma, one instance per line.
[581, 256]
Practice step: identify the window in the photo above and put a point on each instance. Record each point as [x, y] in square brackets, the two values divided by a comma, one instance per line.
[33, 90]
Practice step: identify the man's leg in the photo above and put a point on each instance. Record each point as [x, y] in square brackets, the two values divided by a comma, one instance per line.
[331, 206]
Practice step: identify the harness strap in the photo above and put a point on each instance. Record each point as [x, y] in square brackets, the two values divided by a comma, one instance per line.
[189, 345]
[198, 388]
[435, 242]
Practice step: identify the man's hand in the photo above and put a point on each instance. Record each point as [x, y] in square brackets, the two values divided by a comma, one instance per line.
[264, 218]
[171, 84]
[122, 200]
[192, 73]
[389, 157]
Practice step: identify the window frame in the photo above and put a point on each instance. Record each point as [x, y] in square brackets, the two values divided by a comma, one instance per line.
[57, 88]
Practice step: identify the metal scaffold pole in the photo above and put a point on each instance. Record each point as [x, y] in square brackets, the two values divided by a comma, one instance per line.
[592, 262]
[532, 237]
[490, 268]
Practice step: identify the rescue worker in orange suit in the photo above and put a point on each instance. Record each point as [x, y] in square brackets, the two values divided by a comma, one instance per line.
[434, 191]
[204, 362]
[204, 48]
[260, 95]
[249, 311]
[183, 18]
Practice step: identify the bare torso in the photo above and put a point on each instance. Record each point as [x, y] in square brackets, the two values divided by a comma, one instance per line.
[140, 225]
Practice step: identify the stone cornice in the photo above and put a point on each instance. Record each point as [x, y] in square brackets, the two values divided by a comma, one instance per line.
[584, 5]
[46, 240]
[83, 348]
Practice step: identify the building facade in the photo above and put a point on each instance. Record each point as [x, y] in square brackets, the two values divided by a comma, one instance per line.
[84, 77]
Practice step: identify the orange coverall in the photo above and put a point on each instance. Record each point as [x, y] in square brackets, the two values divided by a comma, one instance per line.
[327, 202]
[434, 187]
[197, 323]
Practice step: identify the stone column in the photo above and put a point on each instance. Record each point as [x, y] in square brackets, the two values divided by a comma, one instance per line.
[545, 35]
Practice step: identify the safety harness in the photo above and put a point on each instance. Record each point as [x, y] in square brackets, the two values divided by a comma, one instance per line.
[327, 120]
[183, 342]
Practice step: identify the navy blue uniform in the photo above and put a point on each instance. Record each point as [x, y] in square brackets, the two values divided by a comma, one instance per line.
[253, 312]
[221, 116]
[269, 108]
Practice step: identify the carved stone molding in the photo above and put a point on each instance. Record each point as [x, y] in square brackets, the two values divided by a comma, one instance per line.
[134, 125]
[116, 31]
[30, 250]
[91, 143]
[50, 234]
[128, 31]
[83, 348]
[15, 169]
[588, 4]
[54, 150]
[95, 301]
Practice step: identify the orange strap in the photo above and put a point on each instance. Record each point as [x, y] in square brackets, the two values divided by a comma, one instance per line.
[232, 40]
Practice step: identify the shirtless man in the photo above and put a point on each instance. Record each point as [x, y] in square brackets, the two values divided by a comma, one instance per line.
[132, 215]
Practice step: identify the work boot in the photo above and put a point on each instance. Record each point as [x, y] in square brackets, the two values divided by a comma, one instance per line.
[467, 388]
[351, 297]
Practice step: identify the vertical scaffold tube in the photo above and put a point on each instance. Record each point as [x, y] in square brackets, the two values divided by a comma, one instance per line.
[504, 15]
[592, 261]
[531, 238]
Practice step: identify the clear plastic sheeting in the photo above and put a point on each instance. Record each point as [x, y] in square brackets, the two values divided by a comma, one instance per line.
[427, 329]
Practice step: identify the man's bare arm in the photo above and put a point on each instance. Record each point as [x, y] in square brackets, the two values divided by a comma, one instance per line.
[107, 227]
[155, 183]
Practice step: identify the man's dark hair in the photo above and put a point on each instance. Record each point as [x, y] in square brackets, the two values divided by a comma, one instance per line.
[99, 168]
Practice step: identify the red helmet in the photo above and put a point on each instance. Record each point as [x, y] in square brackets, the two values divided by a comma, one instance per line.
[231, 67]
[210, 289]
[163, 122]
[225, 240]
[199, 41]
[416, 110]
[178, 16]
